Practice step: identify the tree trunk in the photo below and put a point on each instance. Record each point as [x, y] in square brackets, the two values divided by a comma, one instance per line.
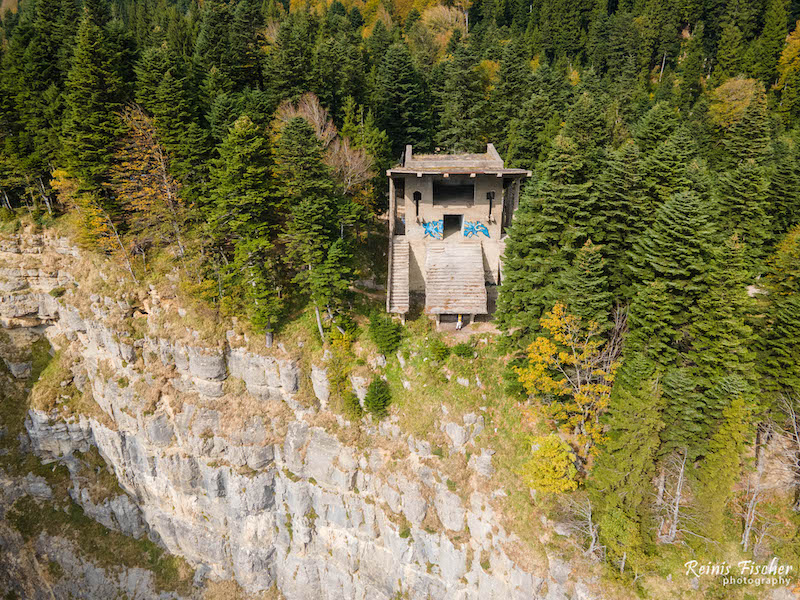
[676, 505]
[750, 514]
[660, 484]
[319, 323]
[45, 197]
[121, 247]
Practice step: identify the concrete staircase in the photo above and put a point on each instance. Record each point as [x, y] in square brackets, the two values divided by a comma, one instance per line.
[397, 300]
[454, 281]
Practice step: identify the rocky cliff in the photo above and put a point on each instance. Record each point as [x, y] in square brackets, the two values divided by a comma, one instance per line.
[229, 458]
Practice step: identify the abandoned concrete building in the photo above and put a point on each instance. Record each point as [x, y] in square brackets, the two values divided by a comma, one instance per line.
[448, 215]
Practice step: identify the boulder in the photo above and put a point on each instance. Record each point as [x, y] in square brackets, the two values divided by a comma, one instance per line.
[450, 510]
[321, 385]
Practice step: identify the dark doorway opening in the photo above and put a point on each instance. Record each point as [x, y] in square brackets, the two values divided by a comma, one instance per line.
[452, 225]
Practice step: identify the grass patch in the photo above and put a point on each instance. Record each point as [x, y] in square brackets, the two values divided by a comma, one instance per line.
[100, 480]
[40, 358]
[106, 548]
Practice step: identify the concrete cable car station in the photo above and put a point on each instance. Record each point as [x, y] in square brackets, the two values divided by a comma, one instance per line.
[448, 216]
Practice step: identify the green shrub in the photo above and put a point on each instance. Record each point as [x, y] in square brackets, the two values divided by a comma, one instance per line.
[405, 532]
[512, 385]
[58, 292]
[351, 407]
[463, 350]
[385, 333]
[438, 350]
[378, 398]
[6, 216]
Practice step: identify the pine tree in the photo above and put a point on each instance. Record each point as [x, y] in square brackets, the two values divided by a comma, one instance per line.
[292, 65]
[784, 186]
[329, 282]
[780, 358]
[67, 17]
[400, 99]
[617, 209]
[305, 189]
[669, 169]
[508, 96]
[691, 69]
[621, 481]
[378, 43]
[675, 251]
[92, 101]
[686, 412]
[656, 126]
[722, 341]
[530, 136]
[256, 273]
[721, 467]
[172, 110]
[210, 49]
[651, 325]
[550, 226]
[586, 286]
[743, 209]
[463, 120]
[378, 398]
[244, 47]
[749, 137]
[240, 184]
[729, 53]
[150, 70]
[122, 49]
[770, 44]
[586, 126]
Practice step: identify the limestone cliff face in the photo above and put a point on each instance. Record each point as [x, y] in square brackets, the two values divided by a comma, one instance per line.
[222, 461]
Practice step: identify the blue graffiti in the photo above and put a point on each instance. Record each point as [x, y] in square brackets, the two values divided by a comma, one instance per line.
[473, 229]
[434, 229]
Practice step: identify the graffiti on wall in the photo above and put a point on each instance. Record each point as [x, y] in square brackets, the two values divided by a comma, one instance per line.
[434, 229]
[472, 229]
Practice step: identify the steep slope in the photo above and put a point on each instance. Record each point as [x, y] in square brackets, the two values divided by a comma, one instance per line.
[224, 457]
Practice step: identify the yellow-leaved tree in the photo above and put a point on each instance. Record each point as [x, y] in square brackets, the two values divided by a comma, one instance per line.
[551, 468]
[96, 228]
[569, 375]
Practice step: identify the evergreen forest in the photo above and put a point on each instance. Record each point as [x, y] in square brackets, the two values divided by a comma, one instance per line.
[650, 303]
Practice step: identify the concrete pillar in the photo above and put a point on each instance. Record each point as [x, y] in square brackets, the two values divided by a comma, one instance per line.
[392, 208]
[391, 245]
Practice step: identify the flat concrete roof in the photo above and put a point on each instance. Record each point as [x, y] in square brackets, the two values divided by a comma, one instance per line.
[489, 163]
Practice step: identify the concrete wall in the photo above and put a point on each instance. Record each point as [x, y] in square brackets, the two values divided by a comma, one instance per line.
[479, 211]
[428, 212]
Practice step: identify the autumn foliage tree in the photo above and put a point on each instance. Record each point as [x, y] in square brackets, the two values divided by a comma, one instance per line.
[569, 374]
[148, 193]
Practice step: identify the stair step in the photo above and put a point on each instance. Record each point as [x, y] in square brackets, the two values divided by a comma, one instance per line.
[455, 281]
[398, 296]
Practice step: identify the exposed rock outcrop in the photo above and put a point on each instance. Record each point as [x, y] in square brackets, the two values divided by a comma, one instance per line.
[222, 463]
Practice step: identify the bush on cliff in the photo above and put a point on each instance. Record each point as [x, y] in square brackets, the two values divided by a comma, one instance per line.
[385, 333]
[378, 398]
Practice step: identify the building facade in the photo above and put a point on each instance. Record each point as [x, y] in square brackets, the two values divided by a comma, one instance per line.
[448, 215]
